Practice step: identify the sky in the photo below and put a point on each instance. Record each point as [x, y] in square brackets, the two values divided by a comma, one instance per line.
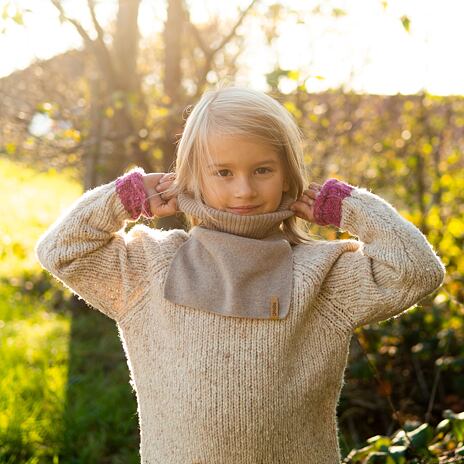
[368, 50]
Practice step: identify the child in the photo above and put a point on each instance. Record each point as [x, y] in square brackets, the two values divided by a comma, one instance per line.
[237, 332]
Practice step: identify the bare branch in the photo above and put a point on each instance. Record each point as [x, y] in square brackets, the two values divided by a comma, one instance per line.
[234, 29]
[210, 53]
[204, 48]
[102, 51]
[82, 32]
[98, 46]
[96, 24]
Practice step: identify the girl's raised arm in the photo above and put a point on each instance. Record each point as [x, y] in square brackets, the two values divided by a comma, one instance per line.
[394, 265]
[88, 250]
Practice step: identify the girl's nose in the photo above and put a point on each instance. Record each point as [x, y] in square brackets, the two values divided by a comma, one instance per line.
[244, 188]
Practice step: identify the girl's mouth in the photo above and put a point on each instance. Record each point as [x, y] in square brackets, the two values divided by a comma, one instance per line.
[243, 209]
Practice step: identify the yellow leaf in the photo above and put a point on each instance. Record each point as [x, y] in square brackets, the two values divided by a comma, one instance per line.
[456, 227]
[162, 111]
[427, 148]
[294, 75]
[10, 148]
[157, 154]
[144, 145]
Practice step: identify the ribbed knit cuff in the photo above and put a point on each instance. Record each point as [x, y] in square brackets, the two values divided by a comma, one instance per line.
[132, 193]
[328, 204]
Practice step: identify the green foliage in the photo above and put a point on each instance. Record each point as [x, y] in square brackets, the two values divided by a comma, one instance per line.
[415, 443]
[406, 22]
[416, 360]
[12, 13]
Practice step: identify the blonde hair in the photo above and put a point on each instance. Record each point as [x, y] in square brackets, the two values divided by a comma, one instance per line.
[240, 111]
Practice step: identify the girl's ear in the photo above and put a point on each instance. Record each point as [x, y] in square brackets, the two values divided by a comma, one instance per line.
[286, 186]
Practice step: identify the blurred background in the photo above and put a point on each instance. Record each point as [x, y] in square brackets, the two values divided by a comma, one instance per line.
[89, 89]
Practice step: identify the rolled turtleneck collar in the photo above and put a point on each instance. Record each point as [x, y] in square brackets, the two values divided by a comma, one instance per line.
[257, 226]
[245, 272]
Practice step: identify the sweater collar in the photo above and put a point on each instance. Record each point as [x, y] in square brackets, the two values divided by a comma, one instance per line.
[257, 226]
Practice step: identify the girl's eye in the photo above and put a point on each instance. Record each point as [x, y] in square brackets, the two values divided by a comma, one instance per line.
[222, 172]
[226, 172]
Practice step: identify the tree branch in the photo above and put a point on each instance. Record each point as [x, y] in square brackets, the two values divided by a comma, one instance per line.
[96, 24]
[102, 51]
[211, 52]
[97, 46]
[82, 32]
[238, 23]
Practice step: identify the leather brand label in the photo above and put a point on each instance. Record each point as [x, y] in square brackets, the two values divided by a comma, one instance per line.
[274, 307]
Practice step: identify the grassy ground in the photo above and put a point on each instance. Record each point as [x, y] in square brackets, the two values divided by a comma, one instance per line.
[62, 367]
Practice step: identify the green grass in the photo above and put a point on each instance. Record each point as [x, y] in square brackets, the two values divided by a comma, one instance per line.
[29, 203]
[64, 384]
[34, 352]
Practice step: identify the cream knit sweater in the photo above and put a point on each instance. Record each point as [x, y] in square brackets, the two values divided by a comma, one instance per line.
[221, 390]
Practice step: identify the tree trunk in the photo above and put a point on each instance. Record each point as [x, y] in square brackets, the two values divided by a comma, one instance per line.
[173, 31]
[92, 155]
[118, 70]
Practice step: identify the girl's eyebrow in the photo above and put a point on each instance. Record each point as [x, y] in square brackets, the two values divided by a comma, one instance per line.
[268, 161]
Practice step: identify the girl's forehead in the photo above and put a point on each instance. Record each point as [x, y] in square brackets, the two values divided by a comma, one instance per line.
[229, 144]
[241, 157]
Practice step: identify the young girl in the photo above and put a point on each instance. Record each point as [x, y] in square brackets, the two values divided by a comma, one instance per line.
[237, 332]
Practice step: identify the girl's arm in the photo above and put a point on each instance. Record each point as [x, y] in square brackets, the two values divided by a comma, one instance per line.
[88, 250]
[394, 266]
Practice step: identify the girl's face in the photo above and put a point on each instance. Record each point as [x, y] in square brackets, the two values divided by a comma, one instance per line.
[245, 178]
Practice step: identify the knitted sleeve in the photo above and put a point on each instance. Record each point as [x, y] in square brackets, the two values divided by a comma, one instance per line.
[393, 268]
[88, 250]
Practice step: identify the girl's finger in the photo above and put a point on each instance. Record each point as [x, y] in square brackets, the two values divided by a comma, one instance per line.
[311, 193]
[165, 182]
[173, 203]
[168, 176]
[302, 208]
[300, 215]
[165, 197]
[307, 198]
[163, 186]
[169, 206]
[165, 178]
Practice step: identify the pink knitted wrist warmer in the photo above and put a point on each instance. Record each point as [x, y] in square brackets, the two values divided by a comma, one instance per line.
[132, 193]
[328, 204]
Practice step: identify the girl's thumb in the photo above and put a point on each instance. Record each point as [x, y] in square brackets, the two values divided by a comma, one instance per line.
[170, 207]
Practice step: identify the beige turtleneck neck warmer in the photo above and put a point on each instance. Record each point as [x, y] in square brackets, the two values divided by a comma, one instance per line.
[233, 265]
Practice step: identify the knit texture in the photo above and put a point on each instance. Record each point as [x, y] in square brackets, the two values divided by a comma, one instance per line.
[245, 260]
[252, 226]
[328, 204]
[219, 390]
[132, 193]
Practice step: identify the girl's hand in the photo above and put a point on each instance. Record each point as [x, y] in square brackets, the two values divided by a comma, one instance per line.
[155, 184]
[304, 206]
